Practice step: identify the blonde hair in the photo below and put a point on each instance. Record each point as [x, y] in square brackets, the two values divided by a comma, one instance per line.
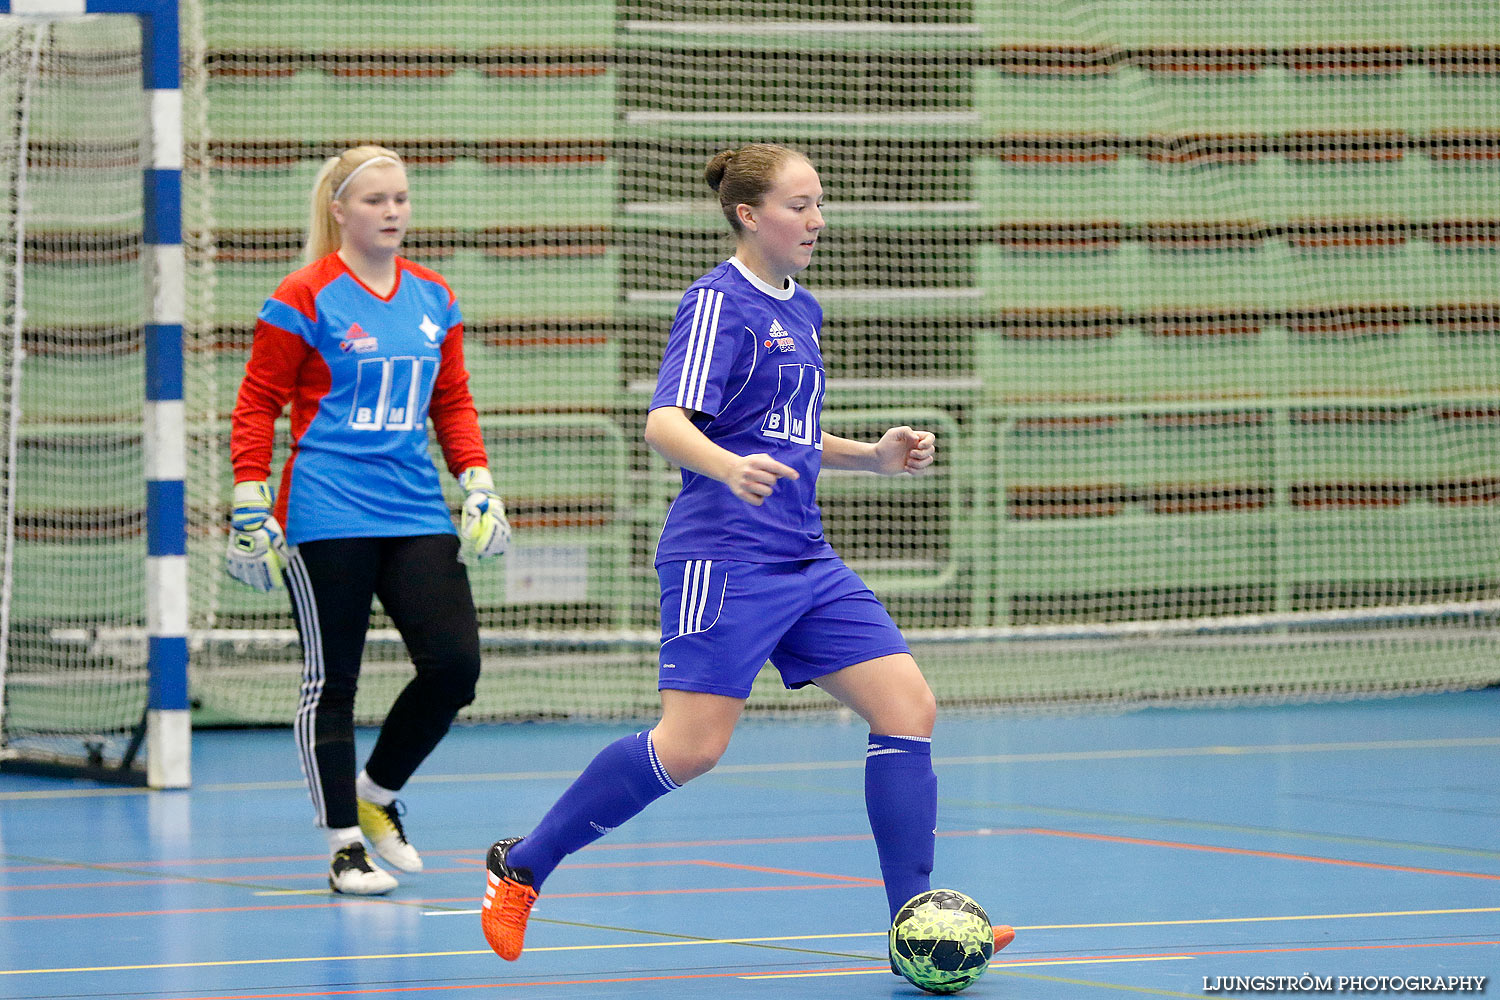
[744, 176]
[324, 235]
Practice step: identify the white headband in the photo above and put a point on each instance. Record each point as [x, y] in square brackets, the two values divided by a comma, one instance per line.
[374, 159]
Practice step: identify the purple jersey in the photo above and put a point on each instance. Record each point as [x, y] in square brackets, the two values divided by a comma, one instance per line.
[743, 358]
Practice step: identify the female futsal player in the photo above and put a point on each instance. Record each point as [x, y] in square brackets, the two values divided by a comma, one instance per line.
[366, 347]
[745, 572]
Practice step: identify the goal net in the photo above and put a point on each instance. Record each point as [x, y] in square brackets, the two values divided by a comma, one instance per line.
[1200, 299]
[74, 554]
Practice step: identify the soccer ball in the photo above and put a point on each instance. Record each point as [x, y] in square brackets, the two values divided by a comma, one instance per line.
[941, 941]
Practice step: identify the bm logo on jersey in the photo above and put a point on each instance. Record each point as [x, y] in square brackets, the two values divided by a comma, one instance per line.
[779, 339]
[796, 411]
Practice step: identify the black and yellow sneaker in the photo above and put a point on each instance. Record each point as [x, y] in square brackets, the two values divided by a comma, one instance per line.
[381, 826]
[352, 873]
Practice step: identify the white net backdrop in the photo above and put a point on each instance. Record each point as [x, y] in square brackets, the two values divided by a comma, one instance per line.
[74, 386]
[1201, 306]
[1201, 303]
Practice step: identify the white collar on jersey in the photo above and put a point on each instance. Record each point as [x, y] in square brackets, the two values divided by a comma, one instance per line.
[776, 293]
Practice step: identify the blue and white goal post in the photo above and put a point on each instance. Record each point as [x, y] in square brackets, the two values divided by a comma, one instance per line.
[168, 735]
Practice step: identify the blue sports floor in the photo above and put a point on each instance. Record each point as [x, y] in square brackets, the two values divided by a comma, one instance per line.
[1156, 853]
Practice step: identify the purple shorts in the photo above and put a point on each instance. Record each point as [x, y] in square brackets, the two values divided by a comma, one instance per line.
[721, 621]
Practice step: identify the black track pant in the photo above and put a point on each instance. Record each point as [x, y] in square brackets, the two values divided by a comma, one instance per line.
[425, 590]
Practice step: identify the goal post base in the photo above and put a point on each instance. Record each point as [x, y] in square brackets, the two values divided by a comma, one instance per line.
[62, 766]
[169, 735]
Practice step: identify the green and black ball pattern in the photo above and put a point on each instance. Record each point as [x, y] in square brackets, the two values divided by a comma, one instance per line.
[941, 941]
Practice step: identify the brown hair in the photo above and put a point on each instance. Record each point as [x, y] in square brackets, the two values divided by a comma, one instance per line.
[743, 176]
[323, 232]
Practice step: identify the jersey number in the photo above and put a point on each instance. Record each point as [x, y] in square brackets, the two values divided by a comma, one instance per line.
[389, 393]
[796, 410]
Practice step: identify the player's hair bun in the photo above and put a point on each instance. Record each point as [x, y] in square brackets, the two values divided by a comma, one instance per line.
[714, 172]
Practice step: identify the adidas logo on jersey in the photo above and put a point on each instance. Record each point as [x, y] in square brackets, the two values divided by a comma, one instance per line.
[357, 340]
[778, 338]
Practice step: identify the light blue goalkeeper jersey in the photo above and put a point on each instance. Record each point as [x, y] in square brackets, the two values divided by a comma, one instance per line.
[365, 376]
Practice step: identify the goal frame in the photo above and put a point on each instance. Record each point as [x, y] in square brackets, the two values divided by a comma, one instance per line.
[168, 729]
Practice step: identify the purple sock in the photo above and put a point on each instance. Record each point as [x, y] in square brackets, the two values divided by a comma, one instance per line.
[901, 799]
[624, 778]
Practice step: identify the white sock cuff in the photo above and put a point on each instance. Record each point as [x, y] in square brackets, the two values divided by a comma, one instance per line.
[338, 839]
[366, 789]
[662, 776]
[880, 745]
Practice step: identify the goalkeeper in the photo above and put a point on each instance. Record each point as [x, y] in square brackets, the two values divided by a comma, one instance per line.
[367, 348]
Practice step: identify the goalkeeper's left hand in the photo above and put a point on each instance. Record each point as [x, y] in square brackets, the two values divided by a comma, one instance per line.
[483, 529]
[257, 546]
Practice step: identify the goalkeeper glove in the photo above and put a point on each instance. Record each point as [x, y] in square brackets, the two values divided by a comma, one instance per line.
[257, 547]
[483, 529]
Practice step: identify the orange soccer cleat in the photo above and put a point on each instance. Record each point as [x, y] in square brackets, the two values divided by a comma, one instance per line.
[507, 902]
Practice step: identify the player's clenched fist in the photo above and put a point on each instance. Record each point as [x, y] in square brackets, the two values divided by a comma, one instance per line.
[902, 449]
[753, 477]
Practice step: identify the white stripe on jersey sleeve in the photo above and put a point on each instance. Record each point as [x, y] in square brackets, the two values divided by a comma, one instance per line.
[693, 363]
[687, 361]
[694, 385]
[708, 354]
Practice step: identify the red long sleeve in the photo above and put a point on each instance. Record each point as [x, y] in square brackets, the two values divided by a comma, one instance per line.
[271, 379]
[454, 418]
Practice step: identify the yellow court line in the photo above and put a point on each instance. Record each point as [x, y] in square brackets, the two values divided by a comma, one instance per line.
[755, 940]
[1120, 923]
[439, 954]
[1080, 927]
[993, 965]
